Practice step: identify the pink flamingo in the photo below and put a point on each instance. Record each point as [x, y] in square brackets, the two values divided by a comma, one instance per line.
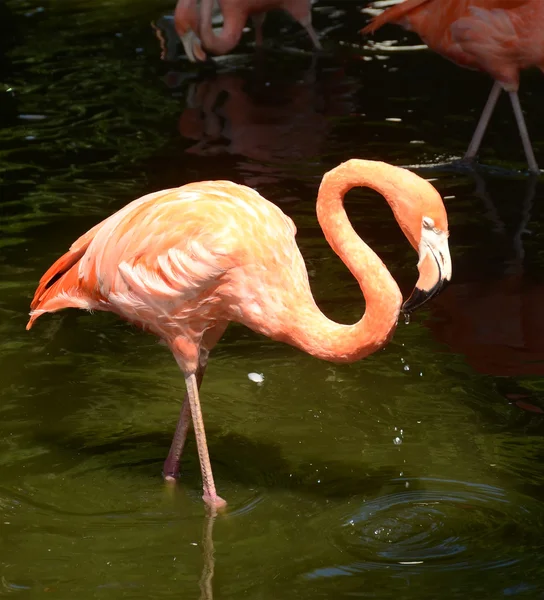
[196, 30]
[183, 263]
[500, 37]
[187, 26]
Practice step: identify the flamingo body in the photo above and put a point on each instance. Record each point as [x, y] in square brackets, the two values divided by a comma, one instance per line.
[182, 280]
[183, 263]
[499, 37]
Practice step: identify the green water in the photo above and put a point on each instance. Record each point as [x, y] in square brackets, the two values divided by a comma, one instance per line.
[417, 473]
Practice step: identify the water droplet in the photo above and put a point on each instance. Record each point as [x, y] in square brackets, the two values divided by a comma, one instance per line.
[406, 367]
[397, 441]
[407, 318]
[256, 377]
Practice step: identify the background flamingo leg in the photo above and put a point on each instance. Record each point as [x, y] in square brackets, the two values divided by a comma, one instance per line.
[520, 120]
[489, 107]
[303, 15]
[307, 24]
[258, 21]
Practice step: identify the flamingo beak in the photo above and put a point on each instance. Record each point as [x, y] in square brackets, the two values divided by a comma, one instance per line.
[193, 47]
[434, 266]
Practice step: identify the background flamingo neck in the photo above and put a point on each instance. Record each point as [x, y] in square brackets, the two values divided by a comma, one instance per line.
[186, 16]
[230, 33]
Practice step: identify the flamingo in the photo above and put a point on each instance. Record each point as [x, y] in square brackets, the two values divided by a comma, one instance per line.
[184, 262]
[500, 37]
[187, 26]
[190, 25]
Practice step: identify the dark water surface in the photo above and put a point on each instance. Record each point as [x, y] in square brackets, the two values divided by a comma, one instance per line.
[417, 473]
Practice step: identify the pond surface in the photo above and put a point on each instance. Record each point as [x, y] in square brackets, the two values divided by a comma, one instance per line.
[416, 473]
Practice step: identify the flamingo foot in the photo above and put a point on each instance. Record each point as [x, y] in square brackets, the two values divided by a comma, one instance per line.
[170, 469]
[214, 501]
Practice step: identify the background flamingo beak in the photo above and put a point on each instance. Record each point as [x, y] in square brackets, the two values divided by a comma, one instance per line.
[193, 47]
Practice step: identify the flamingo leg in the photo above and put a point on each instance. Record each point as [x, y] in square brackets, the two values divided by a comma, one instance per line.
[302, 14]
[258, 20]
[489, 107]
[171, 464]
[522, 127]
[210, 494]
[307, 24]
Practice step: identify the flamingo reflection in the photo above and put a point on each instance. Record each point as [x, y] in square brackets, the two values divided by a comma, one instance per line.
[278, 124]
[498, 325]
[208, 555]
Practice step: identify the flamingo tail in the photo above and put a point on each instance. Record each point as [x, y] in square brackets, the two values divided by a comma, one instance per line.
[60, 287]
[392, 14]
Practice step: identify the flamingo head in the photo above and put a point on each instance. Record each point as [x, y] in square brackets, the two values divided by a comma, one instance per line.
[434, 263]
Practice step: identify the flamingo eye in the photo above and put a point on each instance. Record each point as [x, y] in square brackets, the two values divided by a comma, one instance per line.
[428, 223]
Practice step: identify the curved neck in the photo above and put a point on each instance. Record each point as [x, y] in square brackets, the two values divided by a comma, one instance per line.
[228, 38]
[309, 329]
[185, 16]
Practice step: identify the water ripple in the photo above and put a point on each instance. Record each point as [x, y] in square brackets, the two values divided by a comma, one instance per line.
[426, 523]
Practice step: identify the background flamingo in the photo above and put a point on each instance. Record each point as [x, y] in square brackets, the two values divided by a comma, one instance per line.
[183, 263]
[194, 24]
[500, 37]
[187, 26]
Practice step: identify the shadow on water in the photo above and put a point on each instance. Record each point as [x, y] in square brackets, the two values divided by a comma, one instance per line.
[415, 473]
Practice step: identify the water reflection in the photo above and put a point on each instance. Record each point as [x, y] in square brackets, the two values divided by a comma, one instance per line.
[497, 323]
[274, 120]
[208, 552]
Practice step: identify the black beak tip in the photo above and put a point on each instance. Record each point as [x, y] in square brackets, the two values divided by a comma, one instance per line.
[419, 297]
